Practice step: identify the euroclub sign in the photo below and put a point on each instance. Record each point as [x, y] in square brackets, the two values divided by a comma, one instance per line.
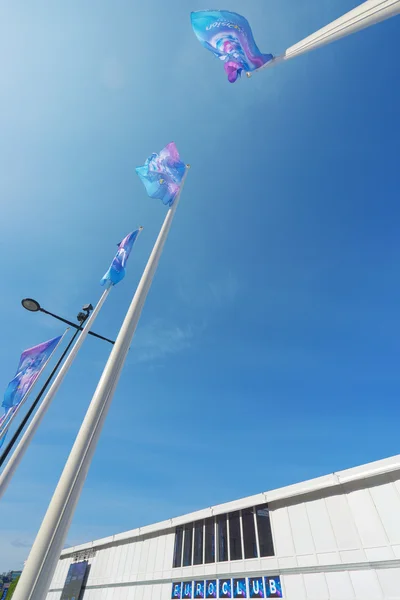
[242, 587]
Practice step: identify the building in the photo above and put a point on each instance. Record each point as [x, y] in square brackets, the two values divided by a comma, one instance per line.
[336, 537]
[4, 591]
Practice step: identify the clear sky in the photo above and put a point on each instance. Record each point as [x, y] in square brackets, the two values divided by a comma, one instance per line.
[268, 350]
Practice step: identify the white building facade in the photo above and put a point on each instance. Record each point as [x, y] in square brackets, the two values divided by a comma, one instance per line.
[332, 538]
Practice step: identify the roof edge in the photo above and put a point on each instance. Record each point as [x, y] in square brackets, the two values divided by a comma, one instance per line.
[367, 471]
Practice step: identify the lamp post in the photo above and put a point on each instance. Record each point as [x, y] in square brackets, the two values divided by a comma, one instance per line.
[34, 306]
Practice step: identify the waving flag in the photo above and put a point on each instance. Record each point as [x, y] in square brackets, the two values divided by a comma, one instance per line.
[229, 36]
[5, 422]
[162, 174]
[116, 272]
[31, 363]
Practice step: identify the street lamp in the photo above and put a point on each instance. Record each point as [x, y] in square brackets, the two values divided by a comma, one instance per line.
[30, 304]
[34, 306]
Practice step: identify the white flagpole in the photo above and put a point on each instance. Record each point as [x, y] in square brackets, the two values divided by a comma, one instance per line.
[26, 439]
[26, 396]
[39, 569]
[366, 14]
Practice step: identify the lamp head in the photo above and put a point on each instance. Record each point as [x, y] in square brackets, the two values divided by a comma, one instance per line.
[30, 304]
[87, 308]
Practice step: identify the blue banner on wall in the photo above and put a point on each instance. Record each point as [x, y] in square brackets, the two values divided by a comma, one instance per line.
[198, 589]
[242, 587]
[211, 588]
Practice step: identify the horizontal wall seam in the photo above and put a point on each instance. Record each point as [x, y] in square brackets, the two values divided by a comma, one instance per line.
[363, 566]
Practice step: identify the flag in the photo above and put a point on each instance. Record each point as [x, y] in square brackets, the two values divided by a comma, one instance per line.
[31, 363]
[162, 174]
[116, 272]
[229, 37]
[5, 423]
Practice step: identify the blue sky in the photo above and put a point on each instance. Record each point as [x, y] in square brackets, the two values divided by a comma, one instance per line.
[267, 352]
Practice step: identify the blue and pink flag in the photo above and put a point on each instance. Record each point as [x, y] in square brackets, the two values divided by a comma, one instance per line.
[229, 37]
[116, 272]
[31, 363]
[162, 174]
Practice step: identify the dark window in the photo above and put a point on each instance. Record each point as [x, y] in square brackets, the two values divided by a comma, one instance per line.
[209, 541]
[198, 543]
[187, 545]
[235, 543]
[249, 533]
[178, 547]
[222, 538]
[73, 583]
[264, 531]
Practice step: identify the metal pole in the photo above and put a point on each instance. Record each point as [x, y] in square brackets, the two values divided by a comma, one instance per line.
[47, 312]
[24, 421]
[366, 14]
[40, 566]
[20, 450]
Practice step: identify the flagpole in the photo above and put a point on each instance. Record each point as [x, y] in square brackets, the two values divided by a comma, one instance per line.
[366, 14]
[20, 450]
[26, 396]
[40, 566]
